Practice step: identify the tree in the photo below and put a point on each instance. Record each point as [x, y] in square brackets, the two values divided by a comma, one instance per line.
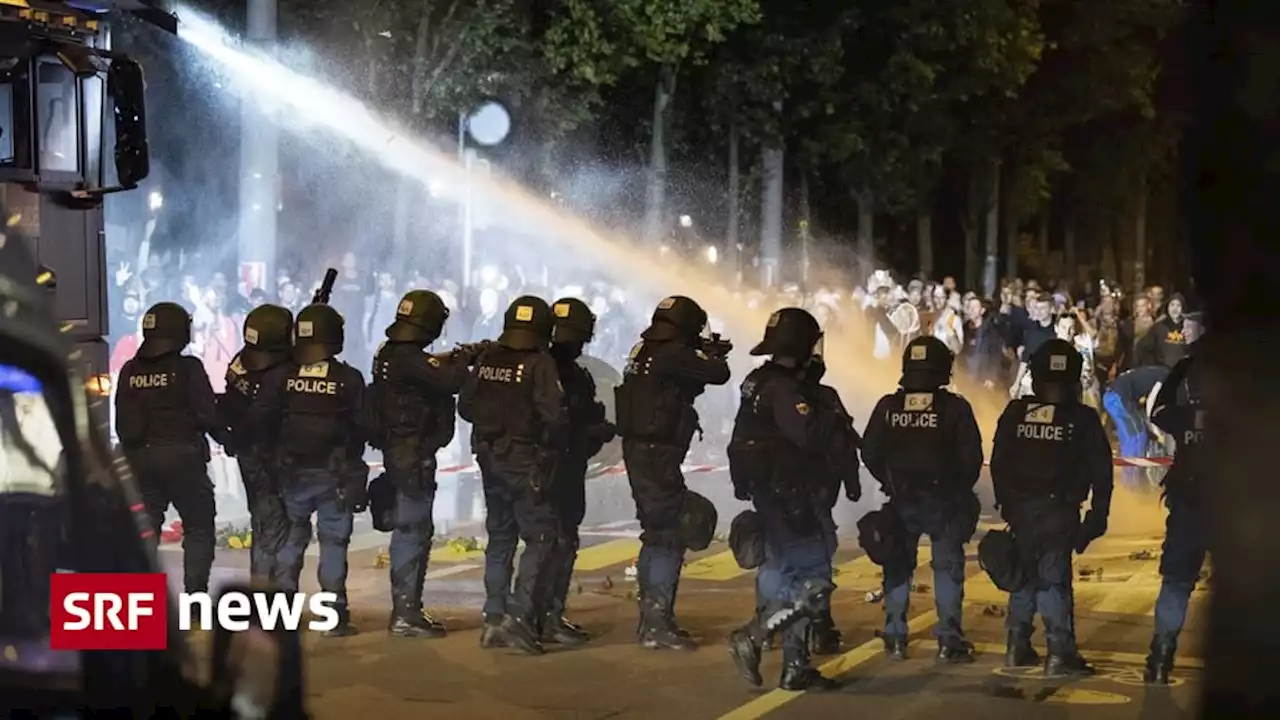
[597, 41]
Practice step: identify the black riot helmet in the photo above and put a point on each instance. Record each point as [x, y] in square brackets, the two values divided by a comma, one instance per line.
[926, 364]
[420, 318]
[791, 333]
[268, 337]
[166, 328]
[676, 318]
[527, 324]
[574, 321]
[1055, 371]
[318, 334]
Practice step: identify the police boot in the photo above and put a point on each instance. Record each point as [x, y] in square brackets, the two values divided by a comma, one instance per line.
[408, 621]
[522, 635]
[1160, 661]
[956, 652]
[824, 638]
[344, 628]
[800, 675]
[895, 648]
[1067, 666]
[1018, 651]
[745, 644]
[492, 635]
[657, 632]
[555, 629]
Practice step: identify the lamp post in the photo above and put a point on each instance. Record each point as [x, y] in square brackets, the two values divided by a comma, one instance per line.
[487, 125]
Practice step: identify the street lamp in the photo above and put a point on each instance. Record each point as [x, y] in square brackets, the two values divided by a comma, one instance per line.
[155, 200]
[686, 221]
[712, 254]
[488, 125]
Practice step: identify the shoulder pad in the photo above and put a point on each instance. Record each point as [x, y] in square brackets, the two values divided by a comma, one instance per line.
[236, 366]
[635, 350]
[433, 361]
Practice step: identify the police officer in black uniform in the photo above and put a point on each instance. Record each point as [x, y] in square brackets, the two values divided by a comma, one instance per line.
[839, 468]
[782, 434]
[164, 409]
[413, 399]
[1049, 452]
[665, 372]
[264, 360]
[589, 430]
[515, 405]
[1179, 410]
[320, 411]
[923, 445]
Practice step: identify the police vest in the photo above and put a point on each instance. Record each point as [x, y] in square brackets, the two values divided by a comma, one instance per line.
[403, 408]
[316, 413]
[1041, 454]
[163, 415]
[504, 394]
[1188, 455]
[648, 407]
[917, 447]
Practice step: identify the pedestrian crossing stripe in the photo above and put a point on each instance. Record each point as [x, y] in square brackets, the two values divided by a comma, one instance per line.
[606, 554]
[719, 567]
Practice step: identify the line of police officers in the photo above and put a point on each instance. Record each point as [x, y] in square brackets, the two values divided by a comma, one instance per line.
[298, 420]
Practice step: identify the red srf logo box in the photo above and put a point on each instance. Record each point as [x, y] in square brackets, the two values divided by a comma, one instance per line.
[108, 611]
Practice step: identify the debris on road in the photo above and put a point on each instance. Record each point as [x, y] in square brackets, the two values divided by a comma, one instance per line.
[382, 559]
[993, 611]
[632, 572]
[1143, 555]
[875, 596]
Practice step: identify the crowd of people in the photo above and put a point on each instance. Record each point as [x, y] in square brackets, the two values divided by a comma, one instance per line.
[992, 336]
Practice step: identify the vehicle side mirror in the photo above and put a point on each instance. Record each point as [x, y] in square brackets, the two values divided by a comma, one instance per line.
[127, 88]
[258, 673]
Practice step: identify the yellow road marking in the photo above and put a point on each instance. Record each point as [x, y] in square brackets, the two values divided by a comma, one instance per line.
[719, 567]
[1093, 656]
[1078, 696]
[842, 665]
[1134, 596]
[613, 552]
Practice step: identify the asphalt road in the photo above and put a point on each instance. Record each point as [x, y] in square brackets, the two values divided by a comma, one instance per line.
[371, 674]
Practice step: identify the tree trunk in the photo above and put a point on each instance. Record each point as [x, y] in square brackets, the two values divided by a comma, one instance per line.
[805, 216]
[407, 187]
[1069, 269]
[969, 223]
[924, 241]
[655, 207]
[772, 161]
[1009, 218]
[1042, 238]
[992, 232]
[866, 200]
[1140, 239]
[734, 254]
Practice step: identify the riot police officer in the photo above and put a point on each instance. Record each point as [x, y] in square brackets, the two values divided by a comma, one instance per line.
[666, 370]
[268, 343]
[413, 400]
[781, 435]
[514, 403]
[1049, 452]
[839, 468]
[164, 409]
[1179, 411]
[589, 430]
[320, 411]
[923, 445]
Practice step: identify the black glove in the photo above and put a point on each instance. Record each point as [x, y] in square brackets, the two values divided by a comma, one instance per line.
[853, 491]
[1092, 527]
[742, 494]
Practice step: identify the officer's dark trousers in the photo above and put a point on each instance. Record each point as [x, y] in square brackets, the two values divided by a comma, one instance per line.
[308, 491]
[569, 495]
[518, 507]
[1045, 534]
[657, 486]
[768, 580]
[268, 521]
[412, 470]
[1185, 547]
[180, 475]
[790, 559]
[935, 517]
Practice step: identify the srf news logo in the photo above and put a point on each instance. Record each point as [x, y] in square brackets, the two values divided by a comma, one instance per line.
[130, 611]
